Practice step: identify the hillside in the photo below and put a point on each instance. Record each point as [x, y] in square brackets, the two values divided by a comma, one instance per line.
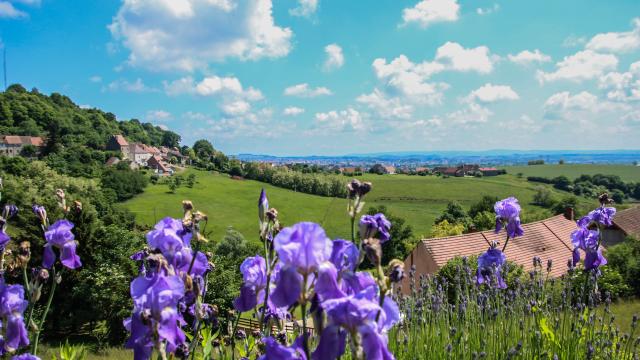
[417, 199]
[75, 137]
[626, 172]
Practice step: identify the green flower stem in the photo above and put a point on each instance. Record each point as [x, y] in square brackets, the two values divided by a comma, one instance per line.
[46, 310]
[303, 308]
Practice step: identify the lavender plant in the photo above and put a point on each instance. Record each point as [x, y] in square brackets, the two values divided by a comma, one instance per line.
[312, 302]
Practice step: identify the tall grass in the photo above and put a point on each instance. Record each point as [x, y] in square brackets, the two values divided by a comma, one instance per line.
[536, 318]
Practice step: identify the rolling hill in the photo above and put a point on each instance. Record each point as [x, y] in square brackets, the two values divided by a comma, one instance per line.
[418, 199]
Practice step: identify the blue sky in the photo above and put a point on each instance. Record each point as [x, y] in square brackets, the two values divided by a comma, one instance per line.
[300, 77]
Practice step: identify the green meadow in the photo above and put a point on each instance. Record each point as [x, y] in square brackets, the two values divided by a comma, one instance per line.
[572, 171]
[418, 199]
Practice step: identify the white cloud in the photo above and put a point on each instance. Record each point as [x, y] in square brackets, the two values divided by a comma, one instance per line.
[229, 87]
[292, 111]
[428, 12]
[622, 86]
[574, 41]
[95, 79]
[235, 108]
[527, 57]
[303, 90]
[525, 125]
[335, 57]
[455, 57]
[582, 105]
[619, 42]
[583, 65]
[489, 10]
[401, 77]
[340, 121]
[189, 34]
[492, 93]
[138, 86]
[386, 107]
[7, 10]
[305, 8]
[158, 116]
[471, 114]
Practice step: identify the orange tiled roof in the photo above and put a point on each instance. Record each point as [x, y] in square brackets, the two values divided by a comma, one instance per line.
[547, 239]
[22, 140]
[121, 140]
[629, 221]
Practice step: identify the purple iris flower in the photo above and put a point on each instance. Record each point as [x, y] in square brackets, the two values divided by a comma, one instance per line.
[584, 238]
[263, 206]
[508, 215]
[372, 225]
[344, 255]
[357, 314]
[490, 264]
[59, 235]
[9, 211]
[26, 356]
[602, 215]
[254, 275]
[303, 246]
[276, 351]
[155, 314]
[40, 212]
[12, 307]
[170, 238]
[587, 241]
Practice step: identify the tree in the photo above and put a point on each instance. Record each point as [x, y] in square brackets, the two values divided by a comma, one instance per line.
[484, 220]
[29, 151]
[617, 196]
[485, 204]
[191, 180]
[400, 244]
[562, 182]
[561, 162]
[378, 169]
[445, 228]
[170, 139]
[454, 214]
[543, 197]
[173, 185]
[566, 202]
[203, 149]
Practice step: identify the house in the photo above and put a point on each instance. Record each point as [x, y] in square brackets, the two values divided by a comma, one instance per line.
[548, 239]
[159, 166]
[422, 169]
[349, 170]
[469, 168]
[391, 170]
[625, 223]
[119, 143]
[489, 171]
[12, 145]
[452, 171]
[139, 153]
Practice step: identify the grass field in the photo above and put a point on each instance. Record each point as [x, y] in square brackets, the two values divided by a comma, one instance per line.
[418, 199]
[572, 171]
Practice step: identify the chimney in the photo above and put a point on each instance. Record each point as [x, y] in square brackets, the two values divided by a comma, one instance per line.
[569, 213]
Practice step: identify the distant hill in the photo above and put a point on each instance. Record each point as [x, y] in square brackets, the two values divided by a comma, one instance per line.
[489, 157]
[75, 137]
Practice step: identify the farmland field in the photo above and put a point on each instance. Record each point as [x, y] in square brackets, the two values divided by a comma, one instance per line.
[418, 199]
[572, 171]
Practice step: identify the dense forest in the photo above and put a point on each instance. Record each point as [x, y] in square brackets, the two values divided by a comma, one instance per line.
[75, 137]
